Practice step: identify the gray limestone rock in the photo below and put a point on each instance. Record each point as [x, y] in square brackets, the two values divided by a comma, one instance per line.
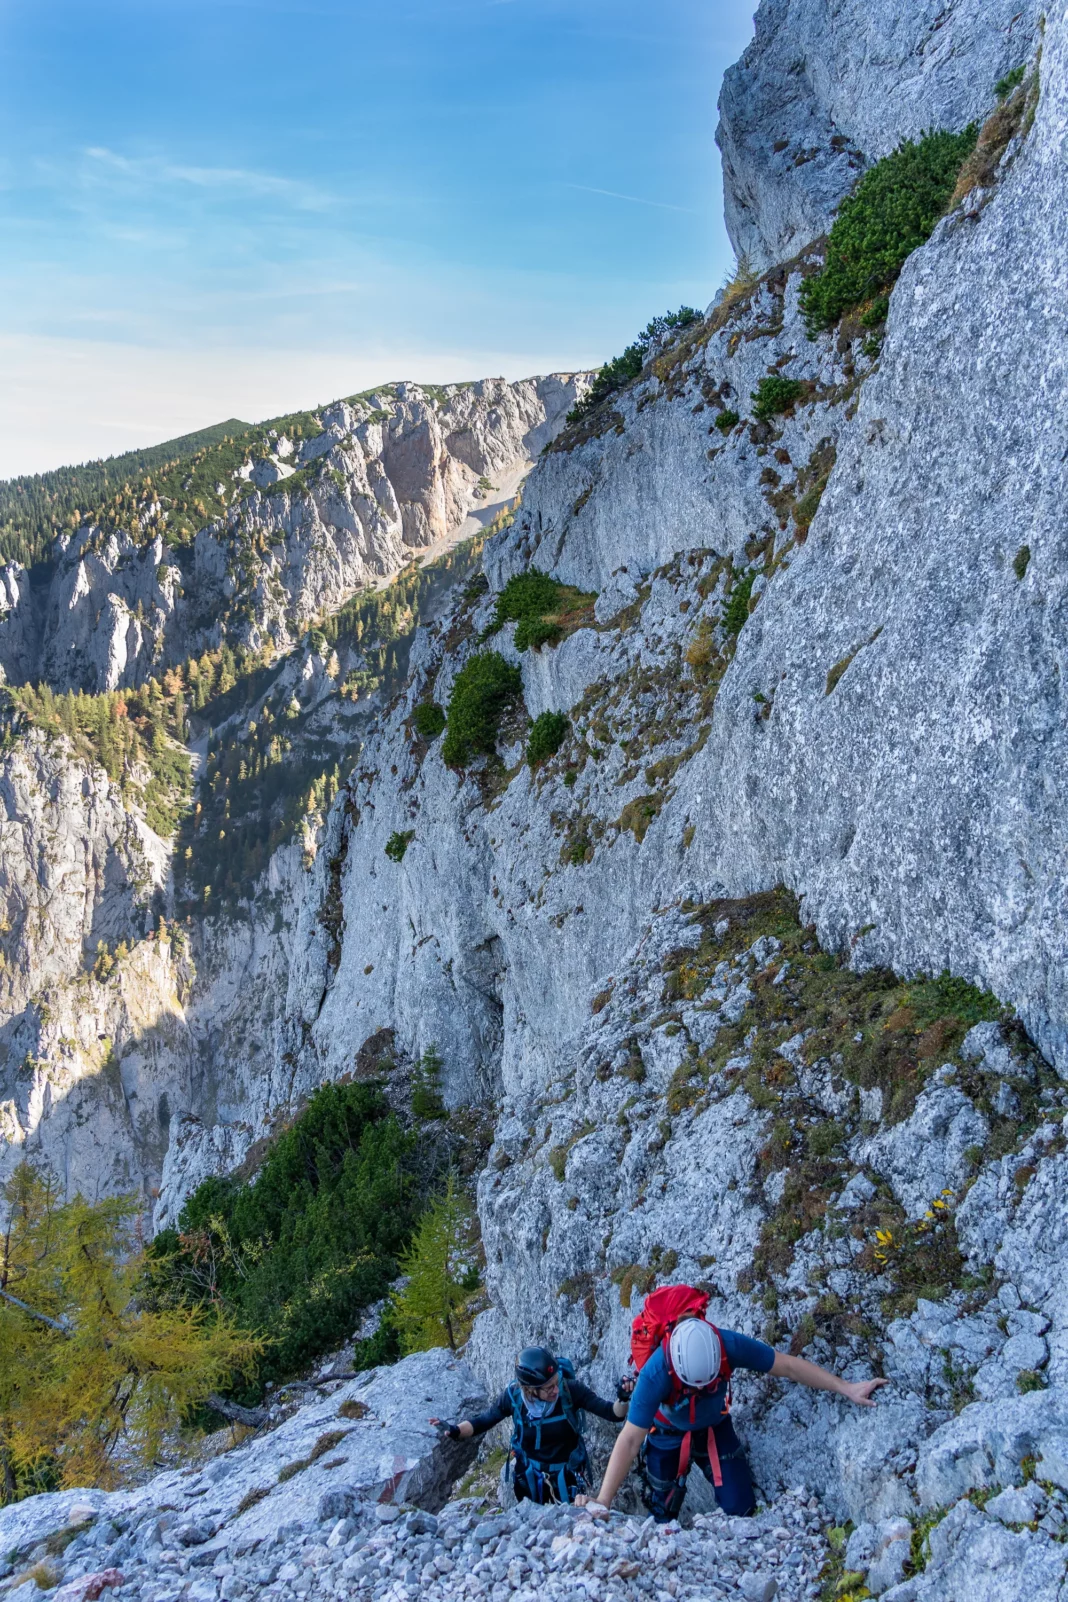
[885, 737]
[391, 1455]
[1018, 1504]
[973, 1555]
[394, 474]
[928, 1154]
[826, 88]
[987, 1443]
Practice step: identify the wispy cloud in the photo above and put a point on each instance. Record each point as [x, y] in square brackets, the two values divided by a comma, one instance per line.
[154, 170]
[638, 200]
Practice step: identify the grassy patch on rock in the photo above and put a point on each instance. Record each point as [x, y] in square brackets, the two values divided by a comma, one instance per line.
[543, 610]
[872, 1040]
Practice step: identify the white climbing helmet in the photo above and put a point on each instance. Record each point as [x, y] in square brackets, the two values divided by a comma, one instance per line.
[696, 1354]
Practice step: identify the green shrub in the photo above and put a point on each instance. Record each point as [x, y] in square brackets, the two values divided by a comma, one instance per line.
[775, 394]
[525, 600]
[398, 843]
[532, 633]
[950, 996]
[547, 734]
[1012, 80]
[426, 1086]
[541, 608]
[727, 420]
[892, 211]
[623, 370]
[737, 608]
[485, 688]
[1020, 561]
[428, 719]
[300, 1251]
[877, 312]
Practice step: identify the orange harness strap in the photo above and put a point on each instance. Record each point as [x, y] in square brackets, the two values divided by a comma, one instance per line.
[686, 1450]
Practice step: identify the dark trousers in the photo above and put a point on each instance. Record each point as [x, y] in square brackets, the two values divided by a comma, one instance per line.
[663, 1494]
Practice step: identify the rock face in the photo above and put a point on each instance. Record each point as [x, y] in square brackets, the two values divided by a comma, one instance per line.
[90, 1063]
[354, 1547]
[332, 1451]
[388, 476]
[828, 86]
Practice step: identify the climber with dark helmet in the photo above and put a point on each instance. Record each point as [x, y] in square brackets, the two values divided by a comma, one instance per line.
[546, 1403]
[680, 1411]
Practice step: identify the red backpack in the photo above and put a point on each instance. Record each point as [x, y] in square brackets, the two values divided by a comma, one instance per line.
[650, 1331]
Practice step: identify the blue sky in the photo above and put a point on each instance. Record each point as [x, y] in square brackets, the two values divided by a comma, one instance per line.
[216, 207]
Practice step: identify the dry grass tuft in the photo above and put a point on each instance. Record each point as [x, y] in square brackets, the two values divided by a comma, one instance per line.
[980, 171]
[353, 1409]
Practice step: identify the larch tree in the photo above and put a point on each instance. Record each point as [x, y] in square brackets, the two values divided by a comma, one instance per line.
[89, 1365]
[442, 1269]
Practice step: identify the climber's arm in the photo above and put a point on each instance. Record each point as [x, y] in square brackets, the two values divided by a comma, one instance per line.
[820, 1379]
[626, 1449]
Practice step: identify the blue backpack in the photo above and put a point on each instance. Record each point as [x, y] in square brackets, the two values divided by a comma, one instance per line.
[555, 1481]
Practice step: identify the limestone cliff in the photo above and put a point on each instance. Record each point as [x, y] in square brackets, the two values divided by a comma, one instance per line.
[828, 86]
[385, 476]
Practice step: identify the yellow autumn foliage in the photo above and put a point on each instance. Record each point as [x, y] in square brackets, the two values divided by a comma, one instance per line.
[92, 1373]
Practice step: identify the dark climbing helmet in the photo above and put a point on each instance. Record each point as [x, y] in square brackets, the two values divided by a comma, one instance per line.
[535, 1366]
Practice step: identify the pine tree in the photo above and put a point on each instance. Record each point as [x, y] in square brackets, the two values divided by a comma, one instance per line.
[227, 671]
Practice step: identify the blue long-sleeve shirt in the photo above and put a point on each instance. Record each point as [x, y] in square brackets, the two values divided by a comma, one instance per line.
[654, 1387]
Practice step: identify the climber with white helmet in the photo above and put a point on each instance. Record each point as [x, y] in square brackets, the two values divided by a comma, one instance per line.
[680, 1411]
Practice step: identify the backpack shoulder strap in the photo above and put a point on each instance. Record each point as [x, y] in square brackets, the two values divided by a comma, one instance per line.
[725, 1369]
[676, 1391]
[567, 1405]
[515, 1396]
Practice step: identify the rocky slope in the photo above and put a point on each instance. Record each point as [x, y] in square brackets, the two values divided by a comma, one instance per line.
[317, 1508]
[761, 975]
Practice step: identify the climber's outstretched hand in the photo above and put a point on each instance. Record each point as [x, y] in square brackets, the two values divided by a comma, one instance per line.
[860, 1391]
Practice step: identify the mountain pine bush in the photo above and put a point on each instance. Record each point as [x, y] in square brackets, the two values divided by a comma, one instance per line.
[775, 394]
[892, 211]
[623, 370]
[547, 734]
[428, 720]
[300, 1251]
[485, 688]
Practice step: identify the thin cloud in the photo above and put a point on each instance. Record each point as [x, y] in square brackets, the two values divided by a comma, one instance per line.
[638, 200]
[153, 170]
